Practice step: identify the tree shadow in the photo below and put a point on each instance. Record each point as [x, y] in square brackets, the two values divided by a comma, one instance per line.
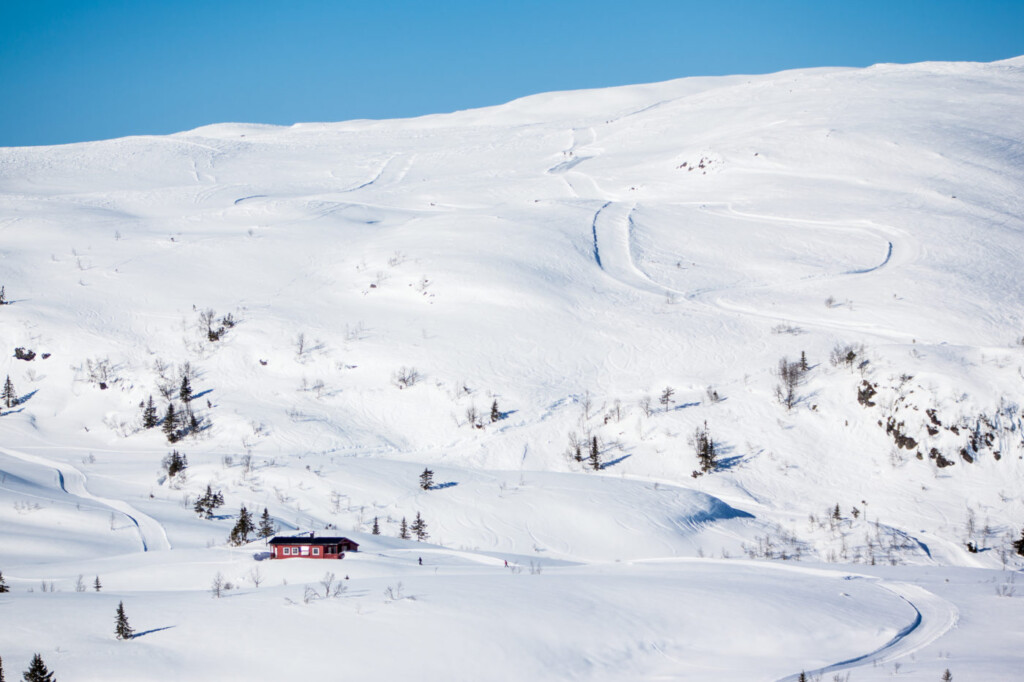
[149, 632]
[613, 462]
[683, 406]
[728, 463]
[260, 556]
[442, 486]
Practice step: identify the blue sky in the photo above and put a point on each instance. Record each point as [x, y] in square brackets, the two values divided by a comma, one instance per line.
[73, 71]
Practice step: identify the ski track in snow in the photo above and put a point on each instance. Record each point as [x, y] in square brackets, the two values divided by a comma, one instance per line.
[934, 618]
[72, 482]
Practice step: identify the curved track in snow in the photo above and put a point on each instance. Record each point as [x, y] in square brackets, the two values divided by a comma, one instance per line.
[72, 481]
[934, 618]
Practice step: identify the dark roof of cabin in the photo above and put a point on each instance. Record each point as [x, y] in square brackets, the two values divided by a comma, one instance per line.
[306, 540]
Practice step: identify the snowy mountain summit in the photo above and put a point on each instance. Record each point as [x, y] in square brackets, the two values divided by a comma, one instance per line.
[711, 379]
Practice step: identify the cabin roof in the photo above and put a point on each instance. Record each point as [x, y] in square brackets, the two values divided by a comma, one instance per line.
[306, 540]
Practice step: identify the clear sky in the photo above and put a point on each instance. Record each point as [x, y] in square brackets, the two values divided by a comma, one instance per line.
[85, 70]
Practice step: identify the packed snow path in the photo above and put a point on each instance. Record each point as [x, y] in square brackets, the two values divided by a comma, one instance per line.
[72, 481]
[935, 617]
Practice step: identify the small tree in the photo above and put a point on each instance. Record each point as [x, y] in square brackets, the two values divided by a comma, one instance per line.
[3, 583]
[790, 377]
[403, 530]
[175, 463]
[427, 479]
[10, 396]
[266, 528]
[121, 628]
[3, 296]
[666, 397]
[210, 501]
[595, 454]
[149, 417]
[947, 676]
[376, 527]
[645, 405]
[1, 669]
[96, 585]
[217, 586]
[37, 671]
[495, 412]
[419, 527]
[1019, 544]
[185, 392]
[243, 527]
[171, 423]
[704, 446]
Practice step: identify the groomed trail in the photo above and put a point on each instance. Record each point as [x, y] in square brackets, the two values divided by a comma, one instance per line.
[934, 618]
[73, 482]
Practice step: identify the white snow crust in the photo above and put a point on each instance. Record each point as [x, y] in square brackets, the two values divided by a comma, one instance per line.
[567, 256]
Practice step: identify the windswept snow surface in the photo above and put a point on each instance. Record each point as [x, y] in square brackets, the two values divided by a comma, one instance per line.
[565, 258]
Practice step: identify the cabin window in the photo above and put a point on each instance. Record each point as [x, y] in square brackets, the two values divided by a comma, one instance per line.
[331, 549]
[304, 550]
[287, 551]
[316, 551]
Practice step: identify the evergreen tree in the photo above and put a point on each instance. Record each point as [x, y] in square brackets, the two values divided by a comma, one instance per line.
[947, 676]
[803, 677]
[266, 528]
[171, 423]
[666, 397]
[149, 418]
[804, 367]
[419, 527]
[707, 453]
[206, 504]
[3, 584]
[96, 585]
[175, 463]
[244, 526]
[376, 527]
[3, 296]
[427, 479]
[185, 392]
[495, 412]
[37, 671]
[1019, 544]
[10, 396]
[121, 627]
[595, 455]
[403, 530]
[1, 670]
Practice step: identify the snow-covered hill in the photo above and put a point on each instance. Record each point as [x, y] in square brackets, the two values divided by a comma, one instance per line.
[353, 302]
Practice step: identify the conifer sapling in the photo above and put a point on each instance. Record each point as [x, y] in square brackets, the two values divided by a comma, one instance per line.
[121, 627]
[37, 671]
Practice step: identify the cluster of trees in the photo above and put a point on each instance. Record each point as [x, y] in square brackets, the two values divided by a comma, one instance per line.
[791, 375]
[245, 526]
[208, 503]
[174, 463]
[215, 328]
[706, 450]
[418, 528]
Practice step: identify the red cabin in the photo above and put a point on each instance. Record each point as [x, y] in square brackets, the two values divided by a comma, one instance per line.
[311, 547]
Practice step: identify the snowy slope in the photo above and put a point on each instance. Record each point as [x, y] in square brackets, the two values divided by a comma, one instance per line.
[567, 256]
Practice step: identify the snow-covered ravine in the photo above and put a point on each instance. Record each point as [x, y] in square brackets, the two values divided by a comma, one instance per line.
[493, 295]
